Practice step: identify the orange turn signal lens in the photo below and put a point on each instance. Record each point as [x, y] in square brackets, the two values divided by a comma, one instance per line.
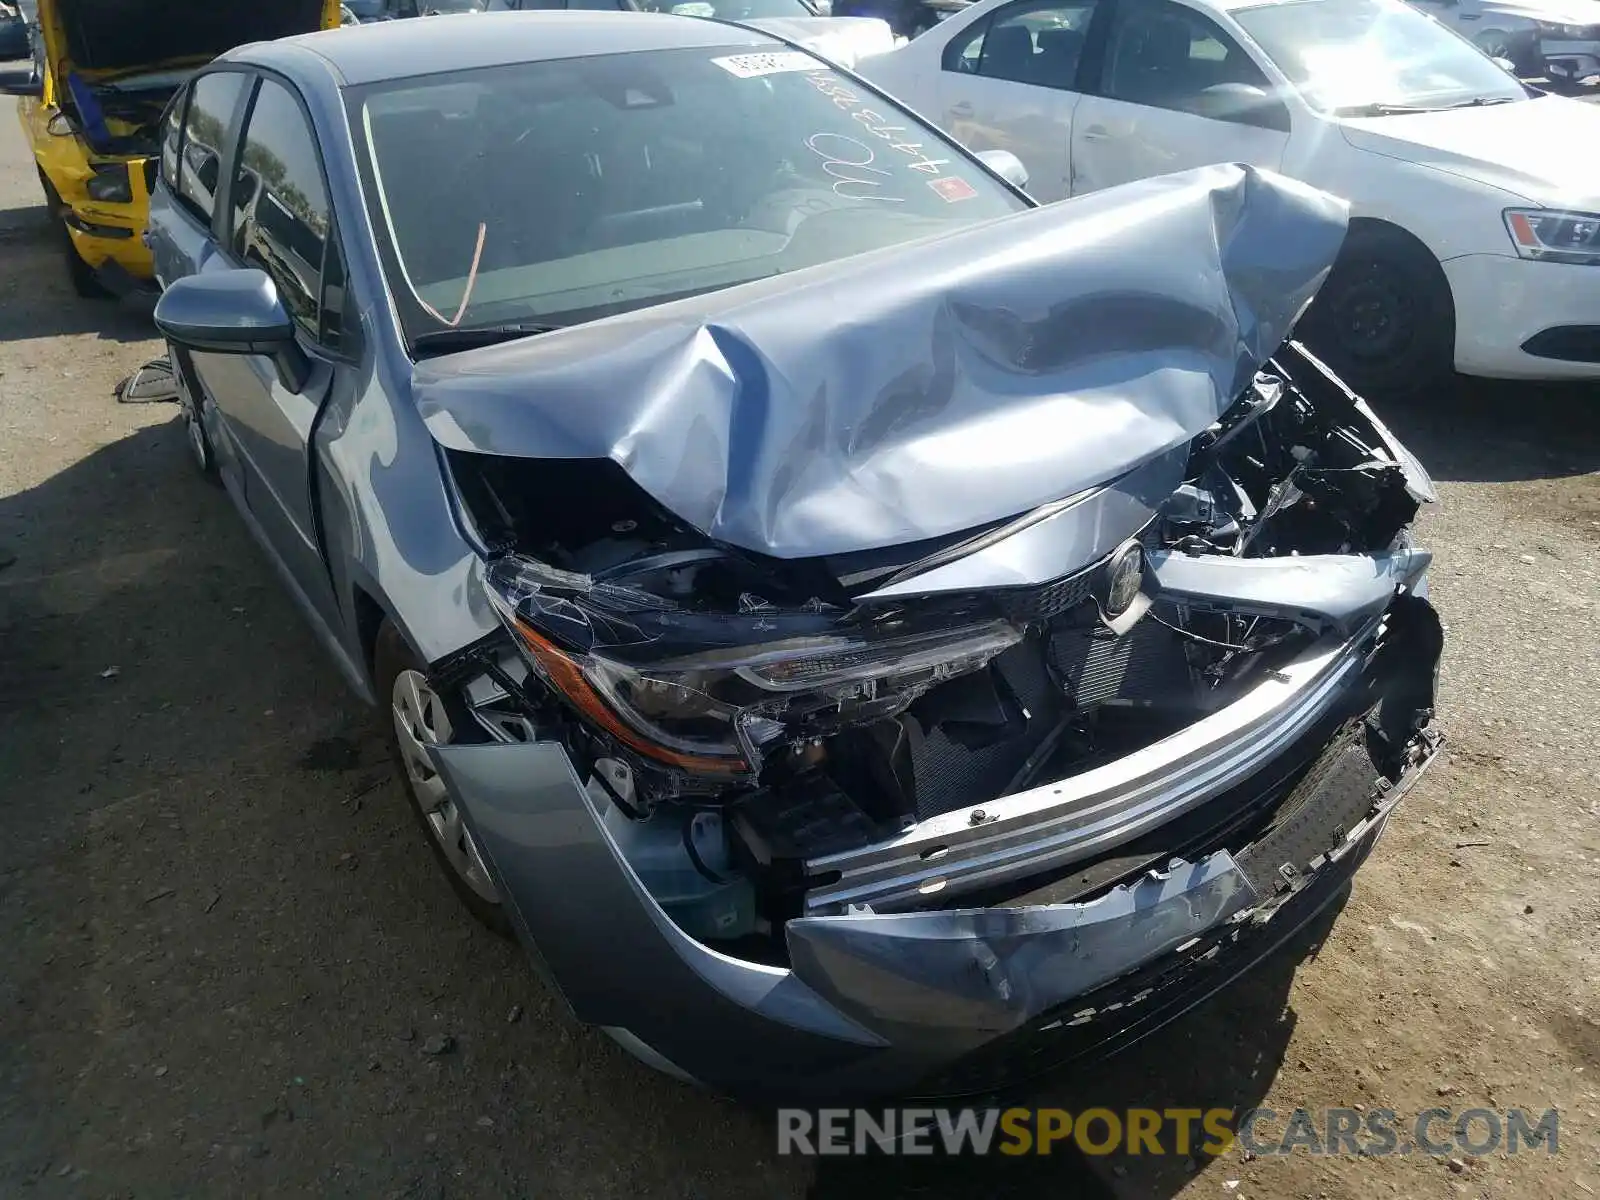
[1522, 230]
[567, 677]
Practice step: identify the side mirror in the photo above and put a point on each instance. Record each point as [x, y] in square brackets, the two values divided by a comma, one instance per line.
[1006, 165]
[1506, 65]
[824, 7]
[233, 312]
[1243, 104]
[21, 83]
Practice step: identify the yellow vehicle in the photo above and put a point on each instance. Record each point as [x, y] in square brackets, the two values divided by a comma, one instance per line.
[103, 73]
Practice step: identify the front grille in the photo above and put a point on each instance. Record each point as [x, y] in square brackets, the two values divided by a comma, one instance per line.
[1026, 605]
[1566, 343]
[1075, 664]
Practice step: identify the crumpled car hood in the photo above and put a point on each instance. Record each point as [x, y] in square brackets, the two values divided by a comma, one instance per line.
[925, 389]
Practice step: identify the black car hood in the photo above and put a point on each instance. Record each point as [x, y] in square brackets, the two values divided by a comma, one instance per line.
[928, 388]
[123, 35]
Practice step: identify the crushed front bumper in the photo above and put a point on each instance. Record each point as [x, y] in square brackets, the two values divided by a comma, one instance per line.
[960, 999]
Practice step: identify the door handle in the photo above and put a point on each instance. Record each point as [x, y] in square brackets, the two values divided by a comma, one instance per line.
[1096, 133]
[962, 108]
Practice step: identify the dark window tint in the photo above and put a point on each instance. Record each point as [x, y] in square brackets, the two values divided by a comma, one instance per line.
[592, 5]
[338, 312]
[171, 136]
[280, 206]
[1037, 42]
[211, 109]
[719, 10]
[1168, 56]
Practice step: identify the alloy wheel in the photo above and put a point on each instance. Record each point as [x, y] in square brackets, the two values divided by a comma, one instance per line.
[420, 721]
[198, 446]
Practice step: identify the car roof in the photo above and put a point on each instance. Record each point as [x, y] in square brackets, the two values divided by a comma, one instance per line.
[362, 54]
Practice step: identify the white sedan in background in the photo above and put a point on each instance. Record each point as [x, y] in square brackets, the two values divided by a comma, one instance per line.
[1560, 38]
[842, 40]
[1475, 238]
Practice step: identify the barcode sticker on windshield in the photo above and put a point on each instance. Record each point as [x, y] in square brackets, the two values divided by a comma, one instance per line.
[750, 66]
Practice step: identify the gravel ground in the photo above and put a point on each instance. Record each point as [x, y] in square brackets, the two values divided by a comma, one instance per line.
[230, 966]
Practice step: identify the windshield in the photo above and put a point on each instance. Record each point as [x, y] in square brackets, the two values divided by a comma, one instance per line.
[561, 191]
[1361, 57]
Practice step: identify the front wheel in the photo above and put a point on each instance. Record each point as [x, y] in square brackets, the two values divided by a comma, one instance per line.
[84, 280]
[418, 717]
[1384, 319]
[201, 452]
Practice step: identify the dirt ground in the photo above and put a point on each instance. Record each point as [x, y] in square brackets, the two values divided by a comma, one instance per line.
[224, 948]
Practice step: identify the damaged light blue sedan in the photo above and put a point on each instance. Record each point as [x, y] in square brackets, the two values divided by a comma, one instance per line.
[863, 632]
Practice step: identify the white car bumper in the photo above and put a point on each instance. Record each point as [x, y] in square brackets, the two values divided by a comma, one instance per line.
[1519, 319]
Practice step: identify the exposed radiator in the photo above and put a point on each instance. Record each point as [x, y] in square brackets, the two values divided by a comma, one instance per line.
[1145, 665]
[950, 775]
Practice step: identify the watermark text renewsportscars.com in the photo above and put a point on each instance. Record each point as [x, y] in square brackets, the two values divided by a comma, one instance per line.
[1372, 1132]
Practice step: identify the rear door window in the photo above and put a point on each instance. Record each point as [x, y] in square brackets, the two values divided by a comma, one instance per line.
[1168, 56]
[1035, 41]
[206, 129]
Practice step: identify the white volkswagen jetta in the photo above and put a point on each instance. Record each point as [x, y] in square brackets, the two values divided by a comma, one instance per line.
[1475, 241]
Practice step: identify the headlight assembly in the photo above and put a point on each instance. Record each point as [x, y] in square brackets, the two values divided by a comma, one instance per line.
[110, 183]
[1555, 236]
[711, 693]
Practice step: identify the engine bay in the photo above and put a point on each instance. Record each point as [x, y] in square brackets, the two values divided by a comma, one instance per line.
[737, 716]
[131, 119]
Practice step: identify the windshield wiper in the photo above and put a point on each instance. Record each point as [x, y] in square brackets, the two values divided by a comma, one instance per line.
[444, 341]
[1394, 110]
[1380, 110]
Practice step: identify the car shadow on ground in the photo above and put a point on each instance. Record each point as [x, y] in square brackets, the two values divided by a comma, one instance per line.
[207, 861]
[231, 963]
[1493, 431]
[35, 251]
[185, 769]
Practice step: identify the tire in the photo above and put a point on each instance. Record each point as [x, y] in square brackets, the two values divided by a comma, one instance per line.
[1384, 320]
[201, 452]
[397, 670]
[84, 281]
